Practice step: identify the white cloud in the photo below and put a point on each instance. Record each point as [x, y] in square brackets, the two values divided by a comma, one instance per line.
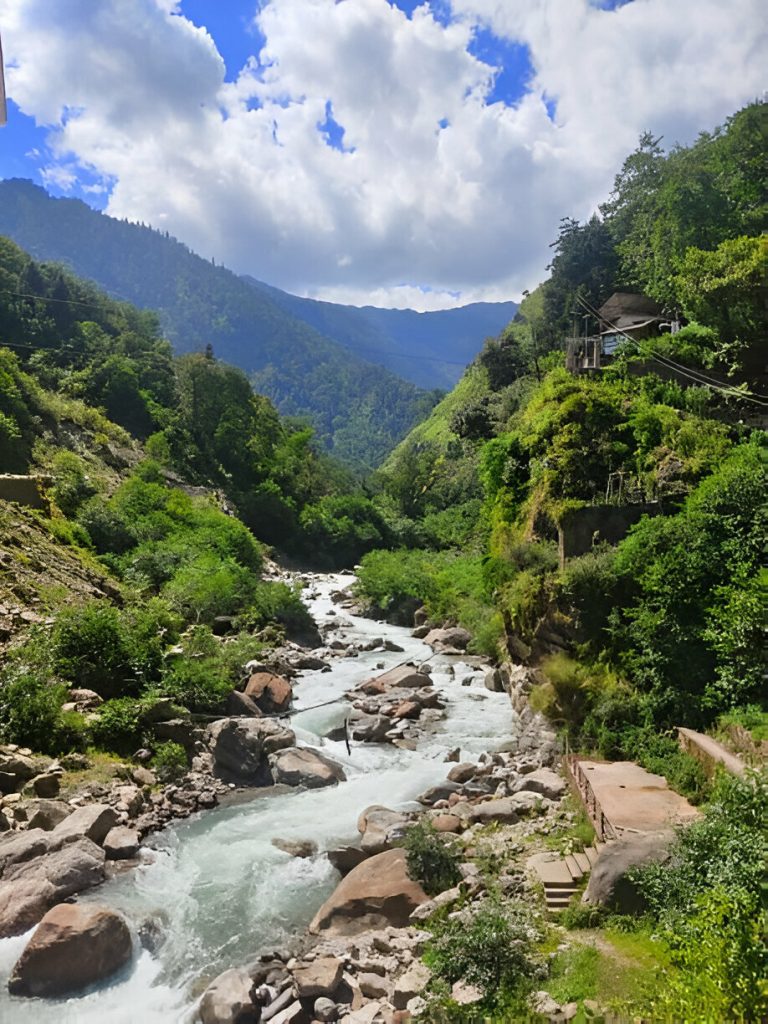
[241, 171]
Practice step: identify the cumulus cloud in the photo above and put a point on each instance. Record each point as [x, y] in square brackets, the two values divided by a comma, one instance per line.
[419, 189]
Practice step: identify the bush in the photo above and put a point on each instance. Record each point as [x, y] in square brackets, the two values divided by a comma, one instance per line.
[31, 715]
[110, 651]
[432, 859]
[490, 947]
[119, 727]
[107, 527]
[71, 483]
[210, 586]
[279, 603]
[169, 762]
[198, 678]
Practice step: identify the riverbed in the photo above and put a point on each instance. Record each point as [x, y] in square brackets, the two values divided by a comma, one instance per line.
[214, 885]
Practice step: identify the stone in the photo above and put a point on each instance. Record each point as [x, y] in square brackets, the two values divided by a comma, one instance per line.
[446, 823]
[527, 802]
[46, 814]
[407, 709]
[543, 1003]
[345, 858]
[325, 1010]
[321, 977]
[381, 828]
[15, 769]
[546, 782]
[305, 766]
[402, 677]
[443, 899]
[495, 810]
[85, 700]
[93, 821]
[296, 847]
[241, 747]
[493, 681]
[143, 776]
[449, 638]
[369, 728]
[29, 887]
[270, 692]
[462, 772]
[227, 1000]
[609, 882]
[293, 1014]
[131, 798]
[376, 893]
[121, 843]
[410, 984]
[241, 705]
[465, 994]
[74, 946]
[47, 785]
[373, 986]
[440, 792]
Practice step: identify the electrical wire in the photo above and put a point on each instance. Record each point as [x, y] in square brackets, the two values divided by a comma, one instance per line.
[694, 375]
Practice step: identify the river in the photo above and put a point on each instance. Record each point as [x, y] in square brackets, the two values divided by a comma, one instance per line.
[219, 888]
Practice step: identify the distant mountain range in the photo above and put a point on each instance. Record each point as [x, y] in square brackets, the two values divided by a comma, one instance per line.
[358, 374]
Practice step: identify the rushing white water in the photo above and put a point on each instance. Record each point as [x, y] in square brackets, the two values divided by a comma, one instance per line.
[219, 889]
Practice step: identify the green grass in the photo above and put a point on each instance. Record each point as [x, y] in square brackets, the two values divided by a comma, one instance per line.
[571, 836]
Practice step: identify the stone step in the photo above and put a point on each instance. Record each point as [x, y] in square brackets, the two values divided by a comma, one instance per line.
[573, 866]
[585, 865]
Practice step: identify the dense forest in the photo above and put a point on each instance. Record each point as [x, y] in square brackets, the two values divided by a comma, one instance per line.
[358, 410]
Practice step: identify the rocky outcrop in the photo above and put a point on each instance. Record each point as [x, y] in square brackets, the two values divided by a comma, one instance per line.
[30, 885]
[305, 766]
[377, 893]
[74, 946]
[449, 639]
[241, 748]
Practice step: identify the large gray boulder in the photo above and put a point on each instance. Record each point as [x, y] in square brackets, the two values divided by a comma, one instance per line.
[546, 782]
[74, 946]
[609, 882]
[448, 639]
[93, 822]
[46, 814]
[29, 887]
[227, 1000]
[305, 766]
[241, 748]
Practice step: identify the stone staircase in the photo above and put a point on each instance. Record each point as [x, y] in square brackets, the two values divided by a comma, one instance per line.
[561, 876]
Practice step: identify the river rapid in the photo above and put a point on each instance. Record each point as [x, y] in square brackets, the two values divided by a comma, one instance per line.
[219, 890]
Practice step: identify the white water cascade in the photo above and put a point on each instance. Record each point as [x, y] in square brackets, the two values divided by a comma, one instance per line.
[219, 890]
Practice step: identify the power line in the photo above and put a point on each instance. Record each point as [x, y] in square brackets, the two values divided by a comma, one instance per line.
[698, 378]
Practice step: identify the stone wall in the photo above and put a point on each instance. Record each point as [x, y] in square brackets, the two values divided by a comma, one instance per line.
[583, 528]
[24, 490]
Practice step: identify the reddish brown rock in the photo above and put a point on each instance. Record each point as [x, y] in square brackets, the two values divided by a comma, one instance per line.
[73, 947]
[408, 709]
[446, 823]
[271, 693]
[377, 893]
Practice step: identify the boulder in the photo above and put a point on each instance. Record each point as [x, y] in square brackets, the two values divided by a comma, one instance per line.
[16, 769]
[46, 814]
[325, 1010]
[321, 977]
[346, 858]
[410, 984]
[609, 884]
[270, 692]
[296, 847]
[30, 887]
[377, 893]
[93, 821]
[446, 823]
[227, 1000]
[381, 828]
[143, 776]
[121, 843]
[46, 785]
[74, 946]
[241, 748]
[462, 772]
[85, 700]
[450, 638]
[305, 766]
[546, 782]
[241, 705]
[495, 810]
[401, 677]
[527, 802]
[369, 728]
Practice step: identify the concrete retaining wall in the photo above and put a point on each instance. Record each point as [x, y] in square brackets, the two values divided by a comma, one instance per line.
[583, 528]
[24, 490]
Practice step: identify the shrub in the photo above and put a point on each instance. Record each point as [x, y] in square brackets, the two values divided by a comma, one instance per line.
[169, 761]
[432, 859]
[71, 483]
[210, 586]
[280, 603]
[119, 726]
[199, 677]
[31, 715]
[107, 527]
[489, 947]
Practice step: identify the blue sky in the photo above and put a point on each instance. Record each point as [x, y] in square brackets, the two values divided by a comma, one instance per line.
[400, 154]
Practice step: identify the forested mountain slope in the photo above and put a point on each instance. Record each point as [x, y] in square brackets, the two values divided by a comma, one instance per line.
[430, 349]
[358, 410]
